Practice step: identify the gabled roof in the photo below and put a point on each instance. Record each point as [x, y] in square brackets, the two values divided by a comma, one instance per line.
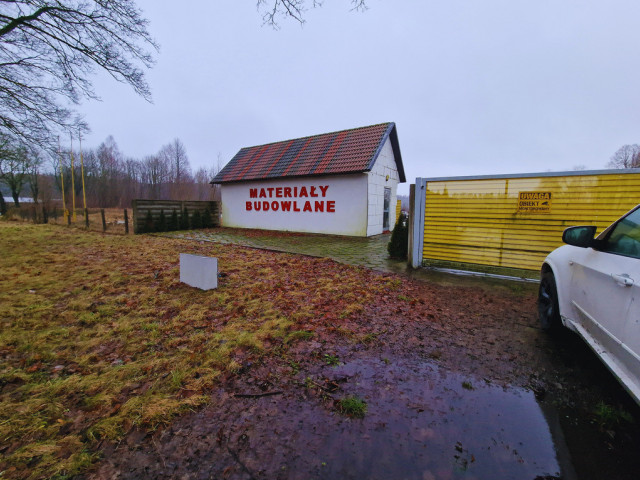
[346, 151]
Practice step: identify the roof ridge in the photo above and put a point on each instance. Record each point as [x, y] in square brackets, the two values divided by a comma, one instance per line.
[319, 135]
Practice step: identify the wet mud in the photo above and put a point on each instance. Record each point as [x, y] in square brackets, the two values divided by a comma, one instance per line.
[458, 381]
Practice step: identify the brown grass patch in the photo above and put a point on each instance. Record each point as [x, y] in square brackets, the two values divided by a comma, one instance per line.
[98, 336]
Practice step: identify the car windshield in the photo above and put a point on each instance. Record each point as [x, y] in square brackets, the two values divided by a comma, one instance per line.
[625, 236]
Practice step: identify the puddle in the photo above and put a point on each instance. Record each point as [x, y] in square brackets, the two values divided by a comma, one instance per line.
[424, 423]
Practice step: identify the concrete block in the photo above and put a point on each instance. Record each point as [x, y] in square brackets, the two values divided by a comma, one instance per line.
[198, 271]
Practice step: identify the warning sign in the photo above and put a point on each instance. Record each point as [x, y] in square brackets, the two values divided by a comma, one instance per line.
[534, 202]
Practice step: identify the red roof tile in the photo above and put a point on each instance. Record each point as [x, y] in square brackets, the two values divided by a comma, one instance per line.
[346, 151]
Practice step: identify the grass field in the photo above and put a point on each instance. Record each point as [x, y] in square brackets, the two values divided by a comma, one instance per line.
[114, 218]
[98, 336]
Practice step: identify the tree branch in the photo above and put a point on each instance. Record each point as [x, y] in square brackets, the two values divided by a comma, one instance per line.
[24, 20]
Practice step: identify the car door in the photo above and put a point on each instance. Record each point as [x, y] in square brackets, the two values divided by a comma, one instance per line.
[627, 235]
[631, 336]
[606, 285]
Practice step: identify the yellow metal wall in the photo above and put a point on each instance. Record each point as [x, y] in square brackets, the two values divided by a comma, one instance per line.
[398, 209]
[477, 221]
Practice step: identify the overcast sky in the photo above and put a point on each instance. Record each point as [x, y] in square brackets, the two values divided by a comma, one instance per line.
[474, 86]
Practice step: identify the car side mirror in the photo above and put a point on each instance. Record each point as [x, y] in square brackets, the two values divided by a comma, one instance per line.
[579, 236]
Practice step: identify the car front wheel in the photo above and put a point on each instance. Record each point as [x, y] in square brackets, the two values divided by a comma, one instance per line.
[548, 310]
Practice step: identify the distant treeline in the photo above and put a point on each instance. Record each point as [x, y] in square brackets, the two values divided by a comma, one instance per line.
[113, 180]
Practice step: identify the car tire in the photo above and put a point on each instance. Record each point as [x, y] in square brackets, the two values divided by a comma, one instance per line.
[548, 308]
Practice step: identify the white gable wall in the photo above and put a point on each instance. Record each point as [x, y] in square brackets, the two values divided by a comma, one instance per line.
[376, 183]
[344, 204]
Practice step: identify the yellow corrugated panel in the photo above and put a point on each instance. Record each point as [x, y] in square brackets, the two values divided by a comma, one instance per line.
[478, 221]
[398, 209]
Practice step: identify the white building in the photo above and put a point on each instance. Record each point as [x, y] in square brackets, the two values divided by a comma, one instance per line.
[341, 183]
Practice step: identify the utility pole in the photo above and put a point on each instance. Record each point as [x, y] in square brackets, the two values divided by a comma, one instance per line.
[73, 188]
[65, 212]
[84, 195]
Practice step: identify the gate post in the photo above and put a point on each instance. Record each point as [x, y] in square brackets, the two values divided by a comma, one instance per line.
[412, 214]
[417, 200]
[134, 212]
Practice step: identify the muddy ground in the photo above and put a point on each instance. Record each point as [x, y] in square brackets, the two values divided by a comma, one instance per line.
[458, 380]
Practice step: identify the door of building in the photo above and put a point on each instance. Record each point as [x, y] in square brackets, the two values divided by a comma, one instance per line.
[385, 214]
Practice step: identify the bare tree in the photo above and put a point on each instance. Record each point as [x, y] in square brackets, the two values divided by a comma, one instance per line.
[155, 173]
[175, 155]
[34, 176]
[15, 166]
[131, 187]
[213, 171]
[203, 189]
[627, 156]
[48, 51]
[109, 172]
[273, 9]
[46, 188]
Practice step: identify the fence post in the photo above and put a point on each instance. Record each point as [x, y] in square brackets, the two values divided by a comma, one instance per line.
[410, 224]
[418, 200]
[45, 214]
[126, 222]
[86, 217]
[134, 212]
[104, 223]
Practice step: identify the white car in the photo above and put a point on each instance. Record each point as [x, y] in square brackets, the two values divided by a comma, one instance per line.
[592, 286]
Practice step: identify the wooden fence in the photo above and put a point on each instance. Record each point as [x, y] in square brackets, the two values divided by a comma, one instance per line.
[165, 208]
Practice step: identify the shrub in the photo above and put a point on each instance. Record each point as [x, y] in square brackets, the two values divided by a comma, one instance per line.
[12, 213]
[196, 220]
[162, 222]
[172, 224]
[207, 221]
[148, 225]
[399, 243]
[184, 220]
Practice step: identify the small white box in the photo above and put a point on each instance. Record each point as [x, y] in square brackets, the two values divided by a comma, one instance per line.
[198, 271]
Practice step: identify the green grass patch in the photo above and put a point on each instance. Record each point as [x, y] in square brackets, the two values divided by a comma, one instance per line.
[331, 360]
[610, 416]
[352, 406]
[298, 335]
[467, 385]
